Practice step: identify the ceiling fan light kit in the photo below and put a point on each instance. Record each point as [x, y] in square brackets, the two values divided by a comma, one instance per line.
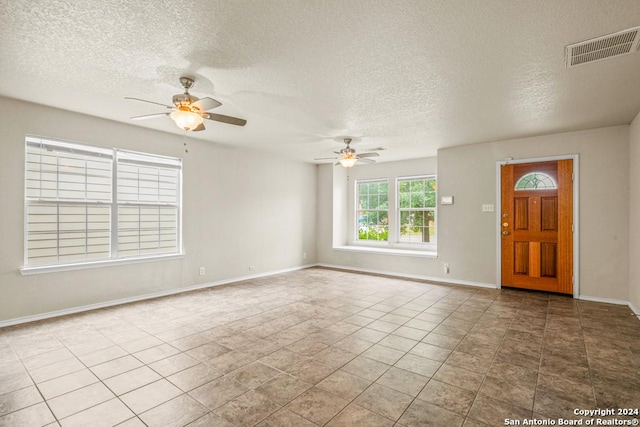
[348, 160]
[186, 119]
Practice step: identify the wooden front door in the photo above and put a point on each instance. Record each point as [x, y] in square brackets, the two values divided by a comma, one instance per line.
[536, 226]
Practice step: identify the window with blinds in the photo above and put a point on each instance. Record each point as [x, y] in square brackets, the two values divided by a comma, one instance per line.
[148, 201]
[86, 203]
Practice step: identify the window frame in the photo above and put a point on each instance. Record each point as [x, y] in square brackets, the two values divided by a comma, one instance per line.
[392, 246]
[356, 234]
[546, 177]
[399, 210]
[114, 204]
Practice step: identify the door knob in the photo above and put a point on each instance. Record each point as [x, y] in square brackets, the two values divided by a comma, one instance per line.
[505, 224]
[505, 232]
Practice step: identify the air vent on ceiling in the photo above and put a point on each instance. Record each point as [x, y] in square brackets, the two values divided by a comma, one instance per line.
[620, 43]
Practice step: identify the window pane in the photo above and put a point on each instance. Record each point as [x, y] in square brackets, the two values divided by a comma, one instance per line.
[430, 196]
[145, 230]
[417, 226]
[363, 202]
[373, 202]
[404, 199]
[371, 212]
[417, 199]
[417, 202]
[373, 225]
[62, 173]
[63, 233]
[143, 183]
[536, 181]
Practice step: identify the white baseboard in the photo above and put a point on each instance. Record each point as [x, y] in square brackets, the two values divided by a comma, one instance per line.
[469, 283]
[633, 308]
[412, 276]
[604, 300]
[88, 307]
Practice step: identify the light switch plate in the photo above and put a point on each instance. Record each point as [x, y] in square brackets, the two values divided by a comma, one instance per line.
[488, 208]
[446, 200]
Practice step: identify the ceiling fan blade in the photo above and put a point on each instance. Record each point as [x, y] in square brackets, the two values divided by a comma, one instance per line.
[149, 116]
[199, 128]
[225, 119]
[368, 155]
[150, 102]
[337, 152]
[365, 160]
[325, 158]
[336, 164]
[204, 104]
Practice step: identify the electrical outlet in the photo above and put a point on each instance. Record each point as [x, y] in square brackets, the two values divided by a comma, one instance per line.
[447, 269]
[252, 268]
[202, 271]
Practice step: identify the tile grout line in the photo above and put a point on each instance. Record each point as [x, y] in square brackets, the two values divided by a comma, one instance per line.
[493, 359]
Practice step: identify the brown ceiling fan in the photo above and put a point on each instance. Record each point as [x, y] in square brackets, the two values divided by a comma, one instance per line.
[348, 157]
[188, 112]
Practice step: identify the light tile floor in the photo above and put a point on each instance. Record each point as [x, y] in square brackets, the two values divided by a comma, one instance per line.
[323, 347]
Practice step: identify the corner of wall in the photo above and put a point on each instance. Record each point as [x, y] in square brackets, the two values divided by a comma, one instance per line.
[634, 206]
[340, 216]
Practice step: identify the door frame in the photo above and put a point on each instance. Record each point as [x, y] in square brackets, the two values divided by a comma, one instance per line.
[576, 212]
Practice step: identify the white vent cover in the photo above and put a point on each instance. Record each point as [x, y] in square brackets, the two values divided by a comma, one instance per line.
[620, 43]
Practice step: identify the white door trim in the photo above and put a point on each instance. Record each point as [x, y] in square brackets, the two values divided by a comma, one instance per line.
[576, 216]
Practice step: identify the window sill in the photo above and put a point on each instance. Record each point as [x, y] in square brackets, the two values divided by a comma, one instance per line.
[27, 271]
[388, 251]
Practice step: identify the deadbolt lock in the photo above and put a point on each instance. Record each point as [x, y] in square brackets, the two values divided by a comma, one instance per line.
[505, 232]
[505, 215]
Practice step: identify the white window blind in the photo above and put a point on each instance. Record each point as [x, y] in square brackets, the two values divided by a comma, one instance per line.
[77, 195]
[148, 200]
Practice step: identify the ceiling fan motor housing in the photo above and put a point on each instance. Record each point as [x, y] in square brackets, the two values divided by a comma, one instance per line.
[184, 99]
[348, 149]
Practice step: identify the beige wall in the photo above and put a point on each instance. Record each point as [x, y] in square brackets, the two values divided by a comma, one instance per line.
[467, 236]
[634, 227]
[241, 208]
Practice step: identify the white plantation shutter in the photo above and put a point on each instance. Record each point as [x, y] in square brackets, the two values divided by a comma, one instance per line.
[87, 203]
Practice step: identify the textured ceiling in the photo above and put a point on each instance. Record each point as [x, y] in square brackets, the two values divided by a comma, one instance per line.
[411, 76]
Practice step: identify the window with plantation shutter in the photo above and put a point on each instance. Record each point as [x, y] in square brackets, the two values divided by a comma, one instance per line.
[86, 204]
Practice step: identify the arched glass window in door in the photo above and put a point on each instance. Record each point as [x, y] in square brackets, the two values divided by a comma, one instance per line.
[536, 181]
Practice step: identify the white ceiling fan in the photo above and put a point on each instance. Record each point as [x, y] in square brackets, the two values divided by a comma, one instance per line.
[348, 158]
[188, 112]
